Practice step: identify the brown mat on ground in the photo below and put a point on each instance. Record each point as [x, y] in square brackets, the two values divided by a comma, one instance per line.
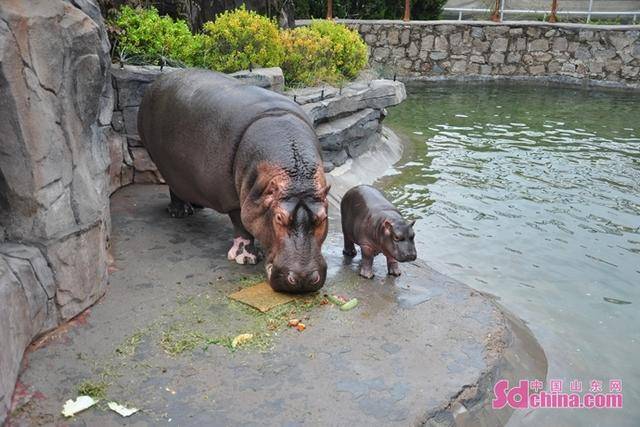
[261, 297]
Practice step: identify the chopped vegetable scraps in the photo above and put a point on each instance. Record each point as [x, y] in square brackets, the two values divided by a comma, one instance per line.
[335, 299]
[121, 410]
[72, 407]
[294, 322]
[241, 340]
[349, 305]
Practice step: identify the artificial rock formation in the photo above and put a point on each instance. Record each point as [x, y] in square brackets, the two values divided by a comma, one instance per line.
[55, 110]
[348, 121]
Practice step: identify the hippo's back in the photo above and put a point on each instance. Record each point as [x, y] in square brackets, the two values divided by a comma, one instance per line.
[191, 122]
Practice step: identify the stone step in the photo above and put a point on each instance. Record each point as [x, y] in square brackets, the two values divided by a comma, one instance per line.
[334, 135]
[377, 94]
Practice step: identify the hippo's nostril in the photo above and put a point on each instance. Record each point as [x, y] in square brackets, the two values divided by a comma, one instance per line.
[315, 277]
[291, 278]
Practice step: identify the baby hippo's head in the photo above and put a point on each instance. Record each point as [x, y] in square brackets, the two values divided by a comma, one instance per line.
[397, 239]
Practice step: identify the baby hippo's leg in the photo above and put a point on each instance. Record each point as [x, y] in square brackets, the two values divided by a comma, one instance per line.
[366, 268]
[393, 267]
[243, 250]
[349, 248]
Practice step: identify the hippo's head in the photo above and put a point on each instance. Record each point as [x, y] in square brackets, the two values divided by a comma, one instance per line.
[397, 239]
[291, 226]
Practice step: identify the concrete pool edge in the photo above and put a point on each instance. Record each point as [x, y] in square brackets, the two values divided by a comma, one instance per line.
[551, 81]
[521, 357]
[471, 339]
[420, 349]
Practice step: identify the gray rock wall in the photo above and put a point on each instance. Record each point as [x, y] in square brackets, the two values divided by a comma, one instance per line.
[347, 120]
[452, 48]
[55, 112]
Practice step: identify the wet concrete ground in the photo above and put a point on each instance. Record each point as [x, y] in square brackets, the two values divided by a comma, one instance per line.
[419, 349]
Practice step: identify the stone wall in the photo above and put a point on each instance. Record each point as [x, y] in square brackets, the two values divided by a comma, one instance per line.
[55, 110]
[470, 48]
[347, 120]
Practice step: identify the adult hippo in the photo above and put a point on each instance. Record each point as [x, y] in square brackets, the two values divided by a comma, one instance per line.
[247, 152]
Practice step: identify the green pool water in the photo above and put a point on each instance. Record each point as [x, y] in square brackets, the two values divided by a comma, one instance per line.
[532, 193]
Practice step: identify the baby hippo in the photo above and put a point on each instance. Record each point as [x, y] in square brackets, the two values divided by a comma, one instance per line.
[372, 222]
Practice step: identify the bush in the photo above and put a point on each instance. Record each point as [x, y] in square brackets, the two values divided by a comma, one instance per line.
[349, 50]
[307, 58]
[240, 39]
[143, 36]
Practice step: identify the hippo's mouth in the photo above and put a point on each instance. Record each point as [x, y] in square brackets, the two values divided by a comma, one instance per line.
[285, 281]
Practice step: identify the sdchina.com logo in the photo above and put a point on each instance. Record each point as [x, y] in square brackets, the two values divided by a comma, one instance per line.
[530, 394]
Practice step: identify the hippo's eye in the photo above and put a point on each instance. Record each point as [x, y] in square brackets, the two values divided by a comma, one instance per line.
[397, 239]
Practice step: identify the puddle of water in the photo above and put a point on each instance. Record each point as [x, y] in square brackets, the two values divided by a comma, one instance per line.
[533, 194]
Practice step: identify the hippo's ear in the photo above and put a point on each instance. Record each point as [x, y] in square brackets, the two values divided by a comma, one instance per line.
[412, 223]
[387, 227]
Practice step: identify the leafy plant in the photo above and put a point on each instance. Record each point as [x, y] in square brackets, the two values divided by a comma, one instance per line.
[240, 39]
[143, 36]
[349, 51]
[308, 58]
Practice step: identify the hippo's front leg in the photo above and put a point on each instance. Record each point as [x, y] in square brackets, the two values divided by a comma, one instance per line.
[393, 267]
[366, 267]
[243, 250]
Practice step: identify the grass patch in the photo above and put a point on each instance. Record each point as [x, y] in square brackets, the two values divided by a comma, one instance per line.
[130, 344]
[226, 342]
[95, 389]
[176, 340]
[265, 326]
[250, 280]
[192, 326]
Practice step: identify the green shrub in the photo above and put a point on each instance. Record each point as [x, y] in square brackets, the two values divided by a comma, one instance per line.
[239, 39]
[307, 58]
[143, 36]
[349, 50]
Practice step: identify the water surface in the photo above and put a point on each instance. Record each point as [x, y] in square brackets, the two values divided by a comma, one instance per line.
[532, 193]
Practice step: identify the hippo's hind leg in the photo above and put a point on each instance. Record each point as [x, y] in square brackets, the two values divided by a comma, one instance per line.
[243, 250]
[178, 208]
[349, 247]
